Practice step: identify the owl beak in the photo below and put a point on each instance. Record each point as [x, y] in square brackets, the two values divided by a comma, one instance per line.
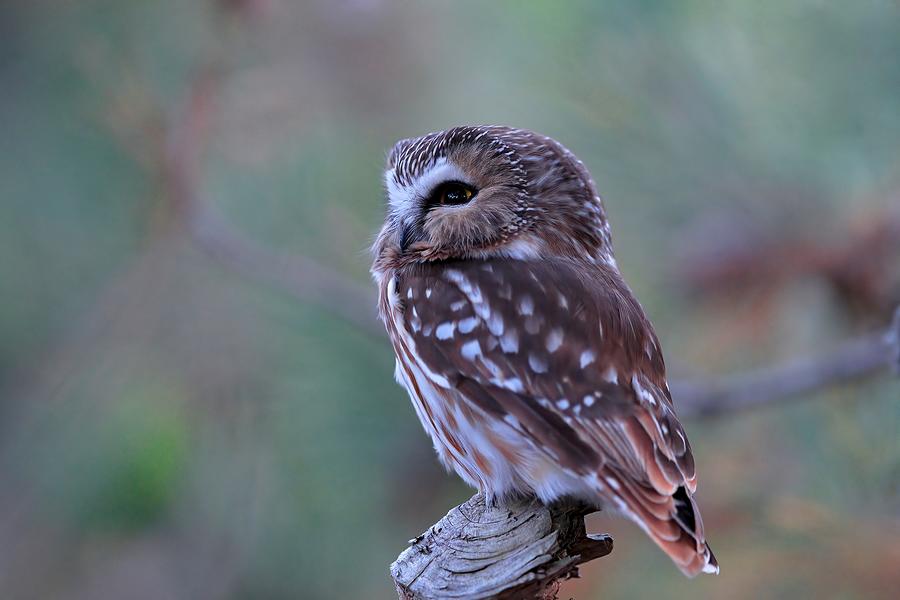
[408, 235]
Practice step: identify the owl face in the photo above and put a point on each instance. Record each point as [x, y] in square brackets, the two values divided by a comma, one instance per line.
[477, 192]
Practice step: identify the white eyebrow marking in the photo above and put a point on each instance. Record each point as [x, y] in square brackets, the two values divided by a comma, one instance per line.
[402, 198]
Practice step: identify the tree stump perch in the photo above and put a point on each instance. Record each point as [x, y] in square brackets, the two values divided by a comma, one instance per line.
[477, 551]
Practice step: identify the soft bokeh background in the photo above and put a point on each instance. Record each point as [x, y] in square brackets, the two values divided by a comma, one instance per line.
[177, 422]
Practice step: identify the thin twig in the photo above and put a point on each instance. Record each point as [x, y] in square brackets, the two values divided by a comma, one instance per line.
[302, 277]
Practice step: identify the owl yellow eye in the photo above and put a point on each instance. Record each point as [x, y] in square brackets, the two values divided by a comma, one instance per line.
[452, 194]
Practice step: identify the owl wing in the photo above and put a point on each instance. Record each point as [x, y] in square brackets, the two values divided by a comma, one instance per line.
[566, 355]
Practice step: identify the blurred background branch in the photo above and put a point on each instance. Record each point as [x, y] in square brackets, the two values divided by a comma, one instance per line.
[855, 359]
[301, 277]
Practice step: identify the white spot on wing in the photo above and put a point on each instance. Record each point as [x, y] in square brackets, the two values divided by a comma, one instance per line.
[537, 364]
[495, 323]
[467, 325]
[533, 324]
[458, 305]
[554, 339]
[587, 357]
[470, 350]
[445, 330]
[509, 342]
[611, 376]
[513, 384]
[526, 305]
[643, 393]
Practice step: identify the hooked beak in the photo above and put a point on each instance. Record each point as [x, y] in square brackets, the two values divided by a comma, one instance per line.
[409, 233]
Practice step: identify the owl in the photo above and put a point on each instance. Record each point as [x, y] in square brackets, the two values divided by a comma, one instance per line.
[528, 360]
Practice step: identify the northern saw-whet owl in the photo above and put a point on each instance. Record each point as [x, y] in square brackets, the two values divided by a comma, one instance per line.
[527, 358]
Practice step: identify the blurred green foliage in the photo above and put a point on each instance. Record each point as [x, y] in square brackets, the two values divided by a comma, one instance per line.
[172, 429]
[125, 473]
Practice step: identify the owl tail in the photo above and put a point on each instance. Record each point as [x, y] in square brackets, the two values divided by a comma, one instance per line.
[674, 523]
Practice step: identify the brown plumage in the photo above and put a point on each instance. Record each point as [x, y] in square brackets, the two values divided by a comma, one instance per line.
[528, 359]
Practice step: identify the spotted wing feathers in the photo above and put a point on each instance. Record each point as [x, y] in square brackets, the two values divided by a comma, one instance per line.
[567, 355]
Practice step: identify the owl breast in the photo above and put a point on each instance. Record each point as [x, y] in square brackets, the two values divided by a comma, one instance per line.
[489, 453]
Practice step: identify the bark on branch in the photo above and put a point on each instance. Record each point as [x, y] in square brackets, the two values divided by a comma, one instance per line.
[523, 550]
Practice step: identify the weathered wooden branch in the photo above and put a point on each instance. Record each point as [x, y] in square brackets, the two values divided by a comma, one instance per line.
[521, 550]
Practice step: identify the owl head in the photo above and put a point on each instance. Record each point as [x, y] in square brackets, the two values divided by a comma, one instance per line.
[487, 191]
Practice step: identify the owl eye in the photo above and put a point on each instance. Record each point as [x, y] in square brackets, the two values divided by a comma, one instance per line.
[452, 193]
